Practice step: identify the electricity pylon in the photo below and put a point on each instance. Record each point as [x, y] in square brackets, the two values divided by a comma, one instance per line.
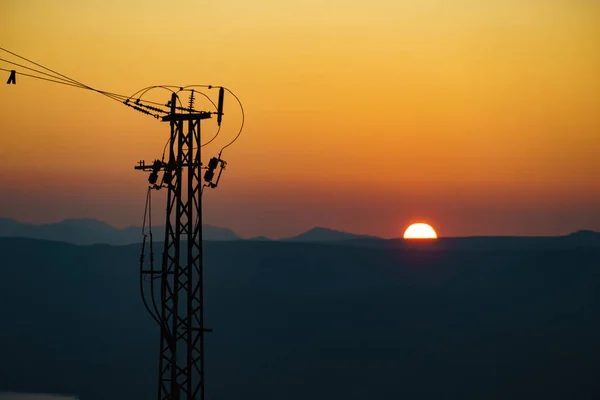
[180, 309]
[180, 314]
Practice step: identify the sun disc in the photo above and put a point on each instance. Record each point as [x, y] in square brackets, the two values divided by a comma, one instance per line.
[420, 231]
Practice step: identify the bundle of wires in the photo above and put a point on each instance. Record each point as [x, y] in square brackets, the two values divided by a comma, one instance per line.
[136, 101]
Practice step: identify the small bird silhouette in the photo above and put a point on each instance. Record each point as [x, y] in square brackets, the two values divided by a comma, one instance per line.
[12, 78]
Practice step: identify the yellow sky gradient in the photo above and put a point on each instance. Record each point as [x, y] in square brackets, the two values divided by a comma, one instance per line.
[481, 117]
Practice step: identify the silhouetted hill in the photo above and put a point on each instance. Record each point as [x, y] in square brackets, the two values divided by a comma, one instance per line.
[86, 223]
[486, 243]
[211, 232]
[585, 237]
[91, 231]
[473, 243]
[34, 396]
[304, 320]
[320, 234]
[260, 239]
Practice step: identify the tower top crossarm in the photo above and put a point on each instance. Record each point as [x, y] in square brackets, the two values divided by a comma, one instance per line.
[187, 117]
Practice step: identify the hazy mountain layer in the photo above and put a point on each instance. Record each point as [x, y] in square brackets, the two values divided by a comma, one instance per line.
[91, 231]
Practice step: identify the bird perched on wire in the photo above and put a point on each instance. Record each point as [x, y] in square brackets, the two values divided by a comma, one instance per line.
[12, 78]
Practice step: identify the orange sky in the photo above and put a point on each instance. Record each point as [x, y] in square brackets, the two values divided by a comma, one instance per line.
[478, 117]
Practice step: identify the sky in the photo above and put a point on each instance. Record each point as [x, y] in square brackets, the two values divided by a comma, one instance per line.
[478, 117]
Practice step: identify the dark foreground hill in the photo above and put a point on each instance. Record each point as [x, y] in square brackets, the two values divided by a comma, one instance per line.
[311, 321]
[575, 240]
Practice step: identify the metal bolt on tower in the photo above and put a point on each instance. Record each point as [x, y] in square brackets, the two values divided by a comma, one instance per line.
[180, 309]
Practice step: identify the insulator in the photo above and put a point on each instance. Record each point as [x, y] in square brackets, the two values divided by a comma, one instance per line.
[192, 100]
[140, 109]
[167, 176]
[220, 108]
[213, 163]
[153, 108]
[209, 175]
[160, 110]
[153, 177]
[156, 166]
[191, 110]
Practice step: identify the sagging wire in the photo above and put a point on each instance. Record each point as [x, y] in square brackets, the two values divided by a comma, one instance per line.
[148, 214]
[216, 161]
[140, 93]
[62, 82]
[241, 125]
[241, 109]
[148, 88]
[213, 138]
[59, 78]
[138, 103]
[165, 149]
[71, 80]
[202, 189]
[184, 89]
[152, 278]
[64, 77]
[35, 70]
[184, 109]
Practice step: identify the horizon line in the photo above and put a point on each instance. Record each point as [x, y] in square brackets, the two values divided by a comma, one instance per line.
[287, 238]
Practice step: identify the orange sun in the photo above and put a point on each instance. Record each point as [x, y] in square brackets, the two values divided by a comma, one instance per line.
[420, 231]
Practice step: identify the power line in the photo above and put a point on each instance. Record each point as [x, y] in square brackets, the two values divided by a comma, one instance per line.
[33, 69]
[137, 103]
[241, 108]
[63, 78]
[41, 66]
[181, 323]
[58, 73]
[242, 124]
[42, 78]
[213, 138]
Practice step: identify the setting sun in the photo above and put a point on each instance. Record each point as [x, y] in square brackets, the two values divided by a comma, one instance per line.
[420, 231]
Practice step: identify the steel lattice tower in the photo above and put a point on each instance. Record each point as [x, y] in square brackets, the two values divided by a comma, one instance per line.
[180, 309]
[180, 314]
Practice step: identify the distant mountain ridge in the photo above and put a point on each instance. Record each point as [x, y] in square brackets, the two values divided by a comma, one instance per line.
[88, 231]
[488, 243]
[321, 234]
[582, 238]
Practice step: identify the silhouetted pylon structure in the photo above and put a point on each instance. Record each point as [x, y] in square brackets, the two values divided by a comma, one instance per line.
[179, 310]
[180, 314]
